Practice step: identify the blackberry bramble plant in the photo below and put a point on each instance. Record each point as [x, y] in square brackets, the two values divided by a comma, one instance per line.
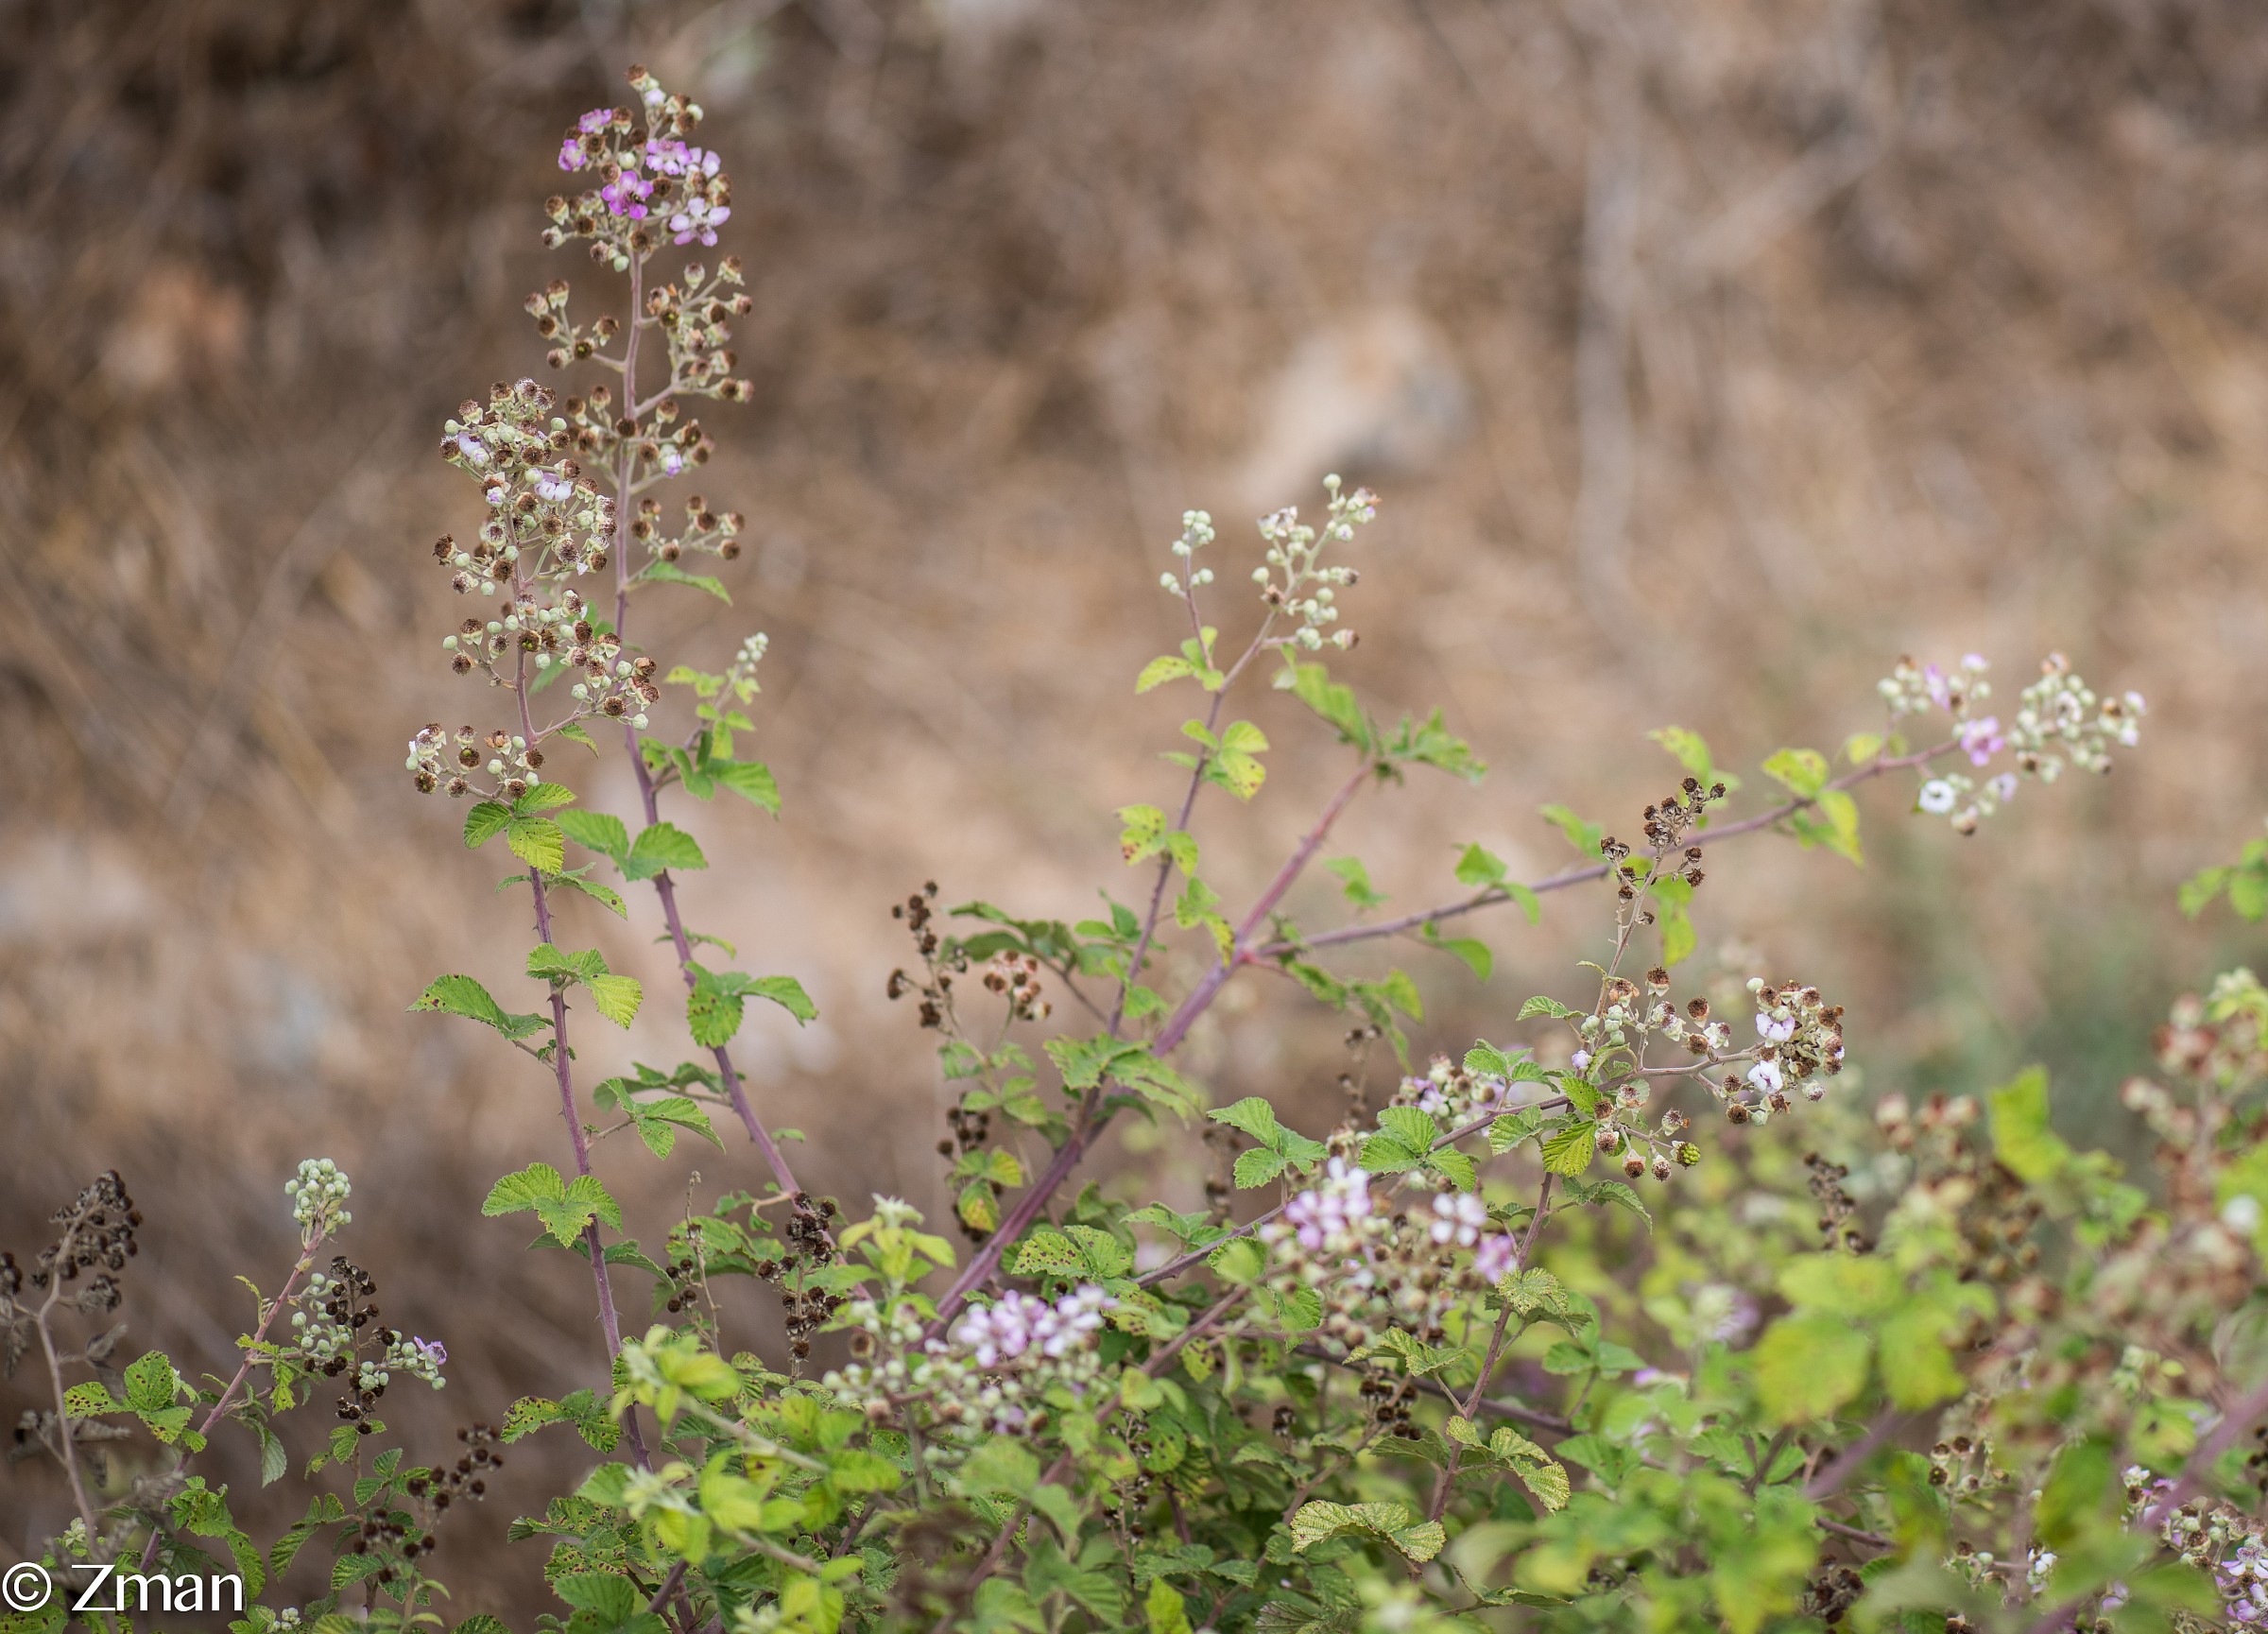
[1630, 1316]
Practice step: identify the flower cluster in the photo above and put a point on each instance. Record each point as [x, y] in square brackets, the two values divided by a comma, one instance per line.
[712, 532]
[1799, 1041]
[1296, 578]
[1453, 1096]
[992, 1371]
[418, 1358]
[546, 518]
[2213, 1535]
[318, 1196]
[2059, 718]
[1333, 1217]
[325, 1325]
[98, 1235]
[643, 182]
[328, 1331]
[1916, 689]
[571, 342]
[693, 314]
[1001, 1332]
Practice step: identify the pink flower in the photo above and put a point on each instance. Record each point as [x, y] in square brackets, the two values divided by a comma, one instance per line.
[1493, 1258]
[624, 196]
[1981, 739]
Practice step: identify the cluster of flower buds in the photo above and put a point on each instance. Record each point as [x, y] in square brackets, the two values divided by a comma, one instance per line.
[1196, 533]
[1692, 1027]
[648, 185]
[561, 633]
[1297, 581]
[1799, 1041]
[1627, 1017]
[1916, 689]
[318, 1197]
[2061, 717]
[1369, 1269]
[1668, 819]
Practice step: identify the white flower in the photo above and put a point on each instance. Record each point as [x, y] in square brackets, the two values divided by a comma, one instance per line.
[1937, 796]
[1765, 1075]
[1775, 1032]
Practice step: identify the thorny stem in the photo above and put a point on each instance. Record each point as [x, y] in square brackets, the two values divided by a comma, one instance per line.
[986, 1258]
[648, 795]
[563, 1068]
[1848, 1462]
[243, 1368]
[1497, 894]
[1189, 799]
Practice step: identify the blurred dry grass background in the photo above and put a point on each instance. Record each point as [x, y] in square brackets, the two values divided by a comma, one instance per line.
[1707, 355]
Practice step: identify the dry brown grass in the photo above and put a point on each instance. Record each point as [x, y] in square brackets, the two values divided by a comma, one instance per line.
[1707, 356]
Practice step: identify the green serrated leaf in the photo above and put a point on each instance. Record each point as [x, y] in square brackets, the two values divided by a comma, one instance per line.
[669, 573]
[485, 821]
[751, 779]
[662, 845]
[539, 842]
[541, 798]
[596, 830]
[616, 997]
[1160, 670]
[1570, 1150]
